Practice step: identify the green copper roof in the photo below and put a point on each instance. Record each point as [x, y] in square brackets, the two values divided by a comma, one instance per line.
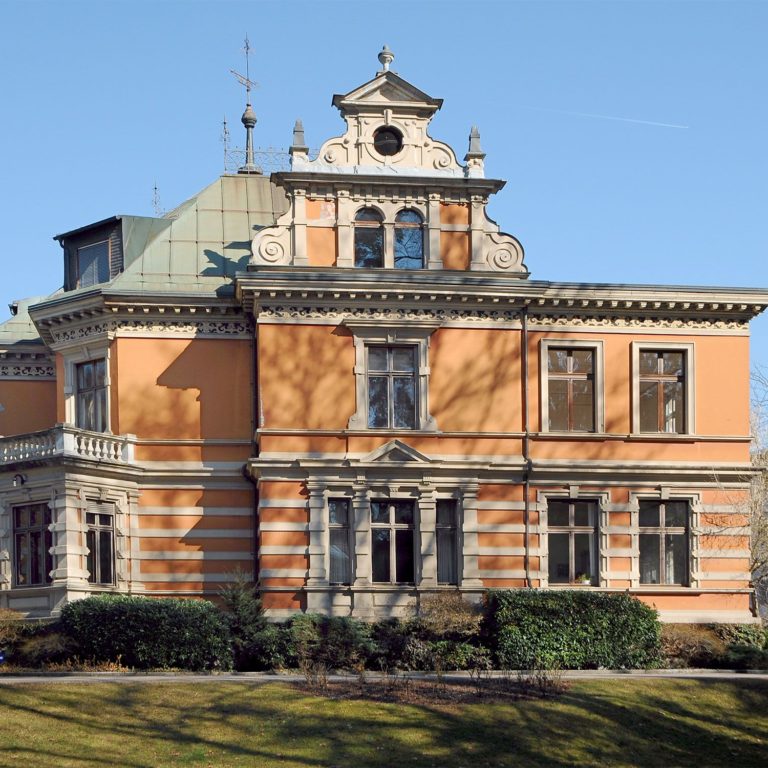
[19, 329]
[200, 245]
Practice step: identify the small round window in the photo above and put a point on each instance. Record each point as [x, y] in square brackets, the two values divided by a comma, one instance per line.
[388, 140]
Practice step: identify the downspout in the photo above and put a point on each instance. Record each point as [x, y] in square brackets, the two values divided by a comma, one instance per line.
[255, 423]
[526, 450]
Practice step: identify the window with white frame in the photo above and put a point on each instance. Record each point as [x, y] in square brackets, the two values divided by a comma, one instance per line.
[91, 395]
[447, 535]
[391, 376]
[572, 386]
[100, 541]
[33, 540]
[662, 388]
[664, 542]
[409, 240]
[369, 238]
[339, 542]
[572, 541]
[393, 541]
[391, 384]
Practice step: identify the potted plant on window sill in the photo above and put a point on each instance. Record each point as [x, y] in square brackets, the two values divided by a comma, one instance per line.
[583, 579]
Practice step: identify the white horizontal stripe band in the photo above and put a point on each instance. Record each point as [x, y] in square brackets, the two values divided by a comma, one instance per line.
[282, 573]
[162, 555]
[282, 503]
[283, 550]
[187, 533]
[200, 511]
[284, 527]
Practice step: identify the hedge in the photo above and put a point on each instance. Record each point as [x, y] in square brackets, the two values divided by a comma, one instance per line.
[570, 629]
[147, 633]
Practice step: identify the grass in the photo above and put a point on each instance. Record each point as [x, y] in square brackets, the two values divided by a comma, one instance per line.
[632, 722]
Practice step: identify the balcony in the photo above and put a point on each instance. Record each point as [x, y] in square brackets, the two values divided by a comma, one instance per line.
[65, 441]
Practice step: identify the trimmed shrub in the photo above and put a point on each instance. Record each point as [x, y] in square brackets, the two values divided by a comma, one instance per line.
[741, 634]
[147, 633]
[245, 618]
[570, 629]
[692, 645]
[746, 657]
[270, 648]
[447, 616]
[337, 642]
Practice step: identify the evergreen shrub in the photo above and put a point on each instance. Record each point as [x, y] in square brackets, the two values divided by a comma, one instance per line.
[147, 633]
[570, 629]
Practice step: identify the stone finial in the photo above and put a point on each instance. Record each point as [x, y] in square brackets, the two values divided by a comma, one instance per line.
[475, 150]
[298, 136]
[298, 150]
[475, 155]
[386, 57]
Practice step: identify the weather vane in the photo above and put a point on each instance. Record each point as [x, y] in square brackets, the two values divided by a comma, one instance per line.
[246, 79]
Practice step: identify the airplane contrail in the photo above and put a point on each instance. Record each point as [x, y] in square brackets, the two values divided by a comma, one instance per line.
[605, 117]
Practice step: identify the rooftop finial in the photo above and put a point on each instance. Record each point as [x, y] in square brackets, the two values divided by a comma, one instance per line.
[249, 116]
[386, 57]
[298, 150]
[475, 155]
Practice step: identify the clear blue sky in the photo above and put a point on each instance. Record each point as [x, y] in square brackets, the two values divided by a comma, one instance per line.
[632, 133]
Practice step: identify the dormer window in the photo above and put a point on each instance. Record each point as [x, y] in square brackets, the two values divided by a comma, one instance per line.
[387, 141]
[93, 264]
[409, 240]
[369, 239]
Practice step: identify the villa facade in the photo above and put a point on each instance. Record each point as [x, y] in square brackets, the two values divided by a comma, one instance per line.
[342, 379]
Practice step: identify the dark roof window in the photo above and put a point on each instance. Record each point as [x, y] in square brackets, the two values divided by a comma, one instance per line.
[388, 141]
[93, 264]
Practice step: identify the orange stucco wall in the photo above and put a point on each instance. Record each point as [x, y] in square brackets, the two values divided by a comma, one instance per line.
[721, 373]
[306, 376]
[27, 406]
[181, 388]
[454, 250]
[321, 246]
[475, 380]
[454, 213]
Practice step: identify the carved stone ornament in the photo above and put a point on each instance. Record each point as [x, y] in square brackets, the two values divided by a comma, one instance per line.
[272, 246]
[212, 327]
[504, 253]
[37, 371]
[388, 101]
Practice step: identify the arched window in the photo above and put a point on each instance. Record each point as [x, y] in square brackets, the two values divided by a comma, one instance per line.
[409, 240]
[369, 238]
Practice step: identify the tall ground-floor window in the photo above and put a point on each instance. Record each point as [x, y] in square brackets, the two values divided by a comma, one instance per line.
[33, 562]
[392, 539]
[572, 540]
[340, 550]
[664, 542]
[447, 542]
[100, 540]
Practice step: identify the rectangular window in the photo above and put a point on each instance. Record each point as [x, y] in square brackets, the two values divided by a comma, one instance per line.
[447, 542]
[93, 264]
[392, 542]
[338, 524]
[572, 540]
[33, 562]
[571, 389]
[391, 382]
[91, 400]
[662, 390]
[100, 541]
[664, 542]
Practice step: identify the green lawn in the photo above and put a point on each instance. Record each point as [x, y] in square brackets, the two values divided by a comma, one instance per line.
[637, 722]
